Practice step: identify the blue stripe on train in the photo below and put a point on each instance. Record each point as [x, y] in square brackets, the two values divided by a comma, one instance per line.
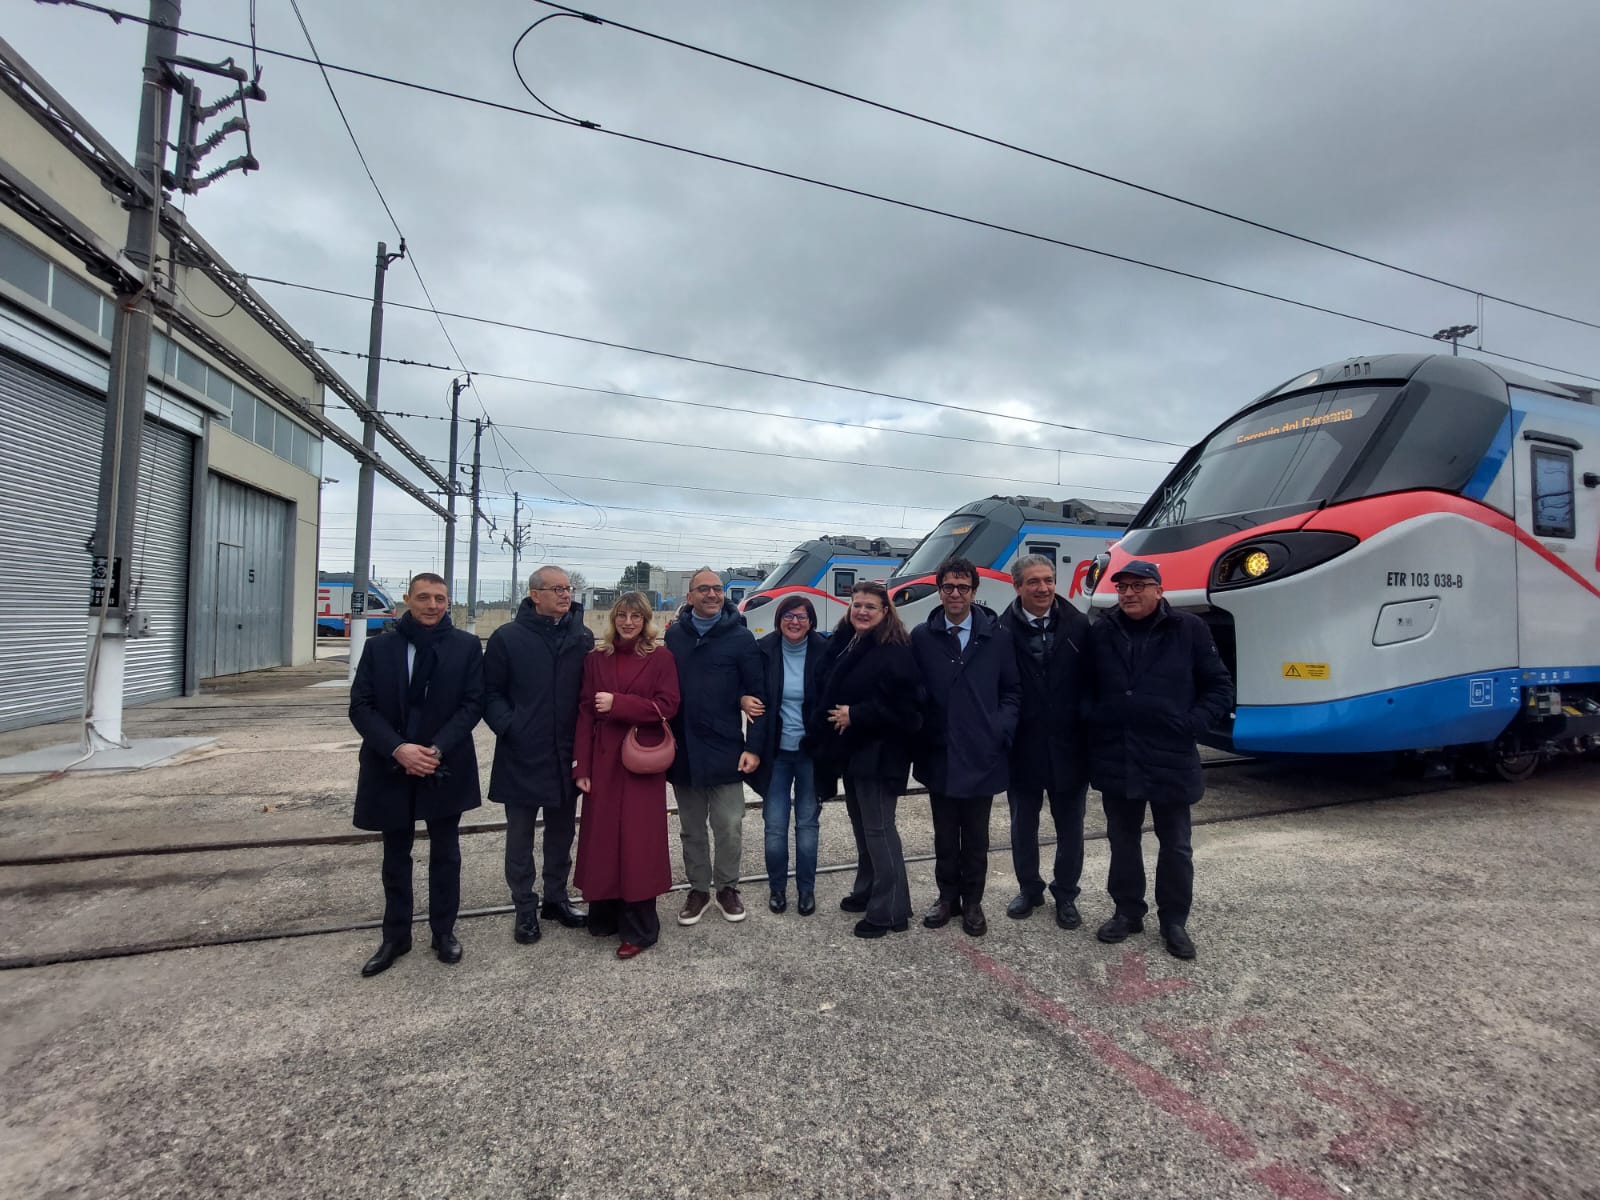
[1443, 712]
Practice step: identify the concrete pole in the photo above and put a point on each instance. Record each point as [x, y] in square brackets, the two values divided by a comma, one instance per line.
[360, 580]
[450, 493]
[516, 547]
[472, 552]
[113, 578]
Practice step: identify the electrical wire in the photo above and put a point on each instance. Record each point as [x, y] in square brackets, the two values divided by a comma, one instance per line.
[843, 189]
[744, 411]
[1039, 155]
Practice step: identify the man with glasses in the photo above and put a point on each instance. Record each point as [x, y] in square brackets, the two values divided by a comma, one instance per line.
[532, 672]
[720, 682]
[1158, 684]
[969, 669]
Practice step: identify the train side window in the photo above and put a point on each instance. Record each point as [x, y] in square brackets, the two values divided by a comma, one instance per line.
[1553, 506]
[1049, 549]
[843, 581]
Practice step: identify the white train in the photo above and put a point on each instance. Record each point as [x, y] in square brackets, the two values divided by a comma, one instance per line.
[1398, 553]
[823, 570]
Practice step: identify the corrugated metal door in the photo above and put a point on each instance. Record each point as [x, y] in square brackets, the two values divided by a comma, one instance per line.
[248, 628]
[49, 459]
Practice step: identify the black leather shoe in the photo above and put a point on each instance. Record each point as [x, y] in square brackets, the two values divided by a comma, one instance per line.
[853, 903]
[1179, 944]
[939, 915]
[806, 905]
[1119, 927]
[564, 911]
[1067, 915]
[384, 959]
[1022, 905]
[973, 922]
[778, 902]
[447, 948]
[527, 929]
[868, 929]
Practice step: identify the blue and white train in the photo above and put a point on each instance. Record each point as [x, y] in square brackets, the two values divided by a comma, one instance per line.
[1399, 553]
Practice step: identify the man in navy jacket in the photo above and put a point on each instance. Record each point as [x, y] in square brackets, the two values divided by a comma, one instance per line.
[719, 681]
[1159, 683]
[417, 694]
[969, 668]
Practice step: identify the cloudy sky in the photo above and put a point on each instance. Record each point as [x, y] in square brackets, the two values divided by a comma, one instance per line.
[1452, 137]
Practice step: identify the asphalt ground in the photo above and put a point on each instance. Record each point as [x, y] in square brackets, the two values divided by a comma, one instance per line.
[1395, 996]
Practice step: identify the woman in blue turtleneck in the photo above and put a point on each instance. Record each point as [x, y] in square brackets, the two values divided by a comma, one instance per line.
[792, 655]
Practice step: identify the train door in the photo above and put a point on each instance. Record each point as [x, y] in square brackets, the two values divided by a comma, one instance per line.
[841, 580]
[1556, 556]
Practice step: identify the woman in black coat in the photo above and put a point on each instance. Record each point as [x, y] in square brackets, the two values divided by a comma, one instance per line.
[867, 713]
[791, 656]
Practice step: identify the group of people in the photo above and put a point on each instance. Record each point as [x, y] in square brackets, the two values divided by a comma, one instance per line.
[1036, 702]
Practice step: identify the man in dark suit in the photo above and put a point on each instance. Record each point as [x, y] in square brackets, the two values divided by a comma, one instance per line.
[417, 694]
[1048, 754]
[970, 672]
[532, 673]
[1159, 683]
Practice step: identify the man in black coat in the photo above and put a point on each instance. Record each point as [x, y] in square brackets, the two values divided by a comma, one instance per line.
[417, 694]
[719, 680]
[1048, 753]
[1159, 683]
[532, 672]
[969, 669]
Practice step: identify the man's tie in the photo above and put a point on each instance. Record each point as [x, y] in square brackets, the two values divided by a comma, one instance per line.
[955, 636]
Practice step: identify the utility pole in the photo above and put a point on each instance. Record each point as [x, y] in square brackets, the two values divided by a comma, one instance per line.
[472, 553]
[113, 591]
[516, 544]
[369, 440]
[456, 386]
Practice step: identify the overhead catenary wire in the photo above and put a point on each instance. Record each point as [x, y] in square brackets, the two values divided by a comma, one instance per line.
[484, 102]
[1001, 143]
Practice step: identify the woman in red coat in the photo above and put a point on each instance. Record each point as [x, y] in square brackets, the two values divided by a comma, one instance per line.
[628, 680]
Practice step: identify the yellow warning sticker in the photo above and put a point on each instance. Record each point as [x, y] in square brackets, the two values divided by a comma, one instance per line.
[1305, 670]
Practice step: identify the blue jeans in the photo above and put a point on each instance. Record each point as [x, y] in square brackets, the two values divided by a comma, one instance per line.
[792, 774]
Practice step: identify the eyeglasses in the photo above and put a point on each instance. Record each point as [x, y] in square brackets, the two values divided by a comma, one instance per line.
[708, 589]
[956, 589]
[797, 618]
[1137, 585]
[559, 589]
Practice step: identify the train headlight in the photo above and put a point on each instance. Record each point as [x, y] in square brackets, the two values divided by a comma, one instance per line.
[1285, 553]
[1257, 564]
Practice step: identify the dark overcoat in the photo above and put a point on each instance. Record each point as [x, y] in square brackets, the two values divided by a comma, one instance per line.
[1149, 702]
[622, 839]
[766, 731]
[971, 712]
[880, 684]
[714, 671]
[386, 797]
[532, 669]
[1049, 750]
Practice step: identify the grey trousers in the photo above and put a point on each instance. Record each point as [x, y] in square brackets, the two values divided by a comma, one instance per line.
[559, 826]
[723, 807]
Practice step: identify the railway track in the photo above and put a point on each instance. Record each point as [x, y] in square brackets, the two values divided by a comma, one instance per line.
[28, 961]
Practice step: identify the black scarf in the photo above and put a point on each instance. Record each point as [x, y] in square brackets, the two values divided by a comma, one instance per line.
[426, 639]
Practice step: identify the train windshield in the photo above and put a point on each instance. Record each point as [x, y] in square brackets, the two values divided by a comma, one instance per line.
[939, 545]
[1294, 451]
[781, 574]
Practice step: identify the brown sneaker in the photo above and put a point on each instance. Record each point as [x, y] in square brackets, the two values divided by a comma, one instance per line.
[694, 907]
[728, 901]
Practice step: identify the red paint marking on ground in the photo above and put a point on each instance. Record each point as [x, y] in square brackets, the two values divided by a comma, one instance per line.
[1191, 1045]
[1383, 1120]
[1215, 1129]
[1128, 981]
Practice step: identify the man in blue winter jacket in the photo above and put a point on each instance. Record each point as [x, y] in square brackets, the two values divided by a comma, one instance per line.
[1158, 684]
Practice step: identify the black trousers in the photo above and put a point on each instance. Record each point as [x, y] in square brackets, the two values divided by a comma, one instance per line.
[560, 822]
[1066, 813]
[880, 859]
[444, 878]
[960, 846]
[1174, 857]
[636, 920]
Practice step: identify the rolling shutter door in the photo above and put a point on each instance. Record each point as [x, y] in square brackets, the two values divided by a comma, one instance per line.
[50, 434]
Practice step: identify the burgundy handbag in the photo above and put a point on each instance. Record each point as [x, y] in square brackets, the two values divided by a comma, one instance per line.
[649, 760]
